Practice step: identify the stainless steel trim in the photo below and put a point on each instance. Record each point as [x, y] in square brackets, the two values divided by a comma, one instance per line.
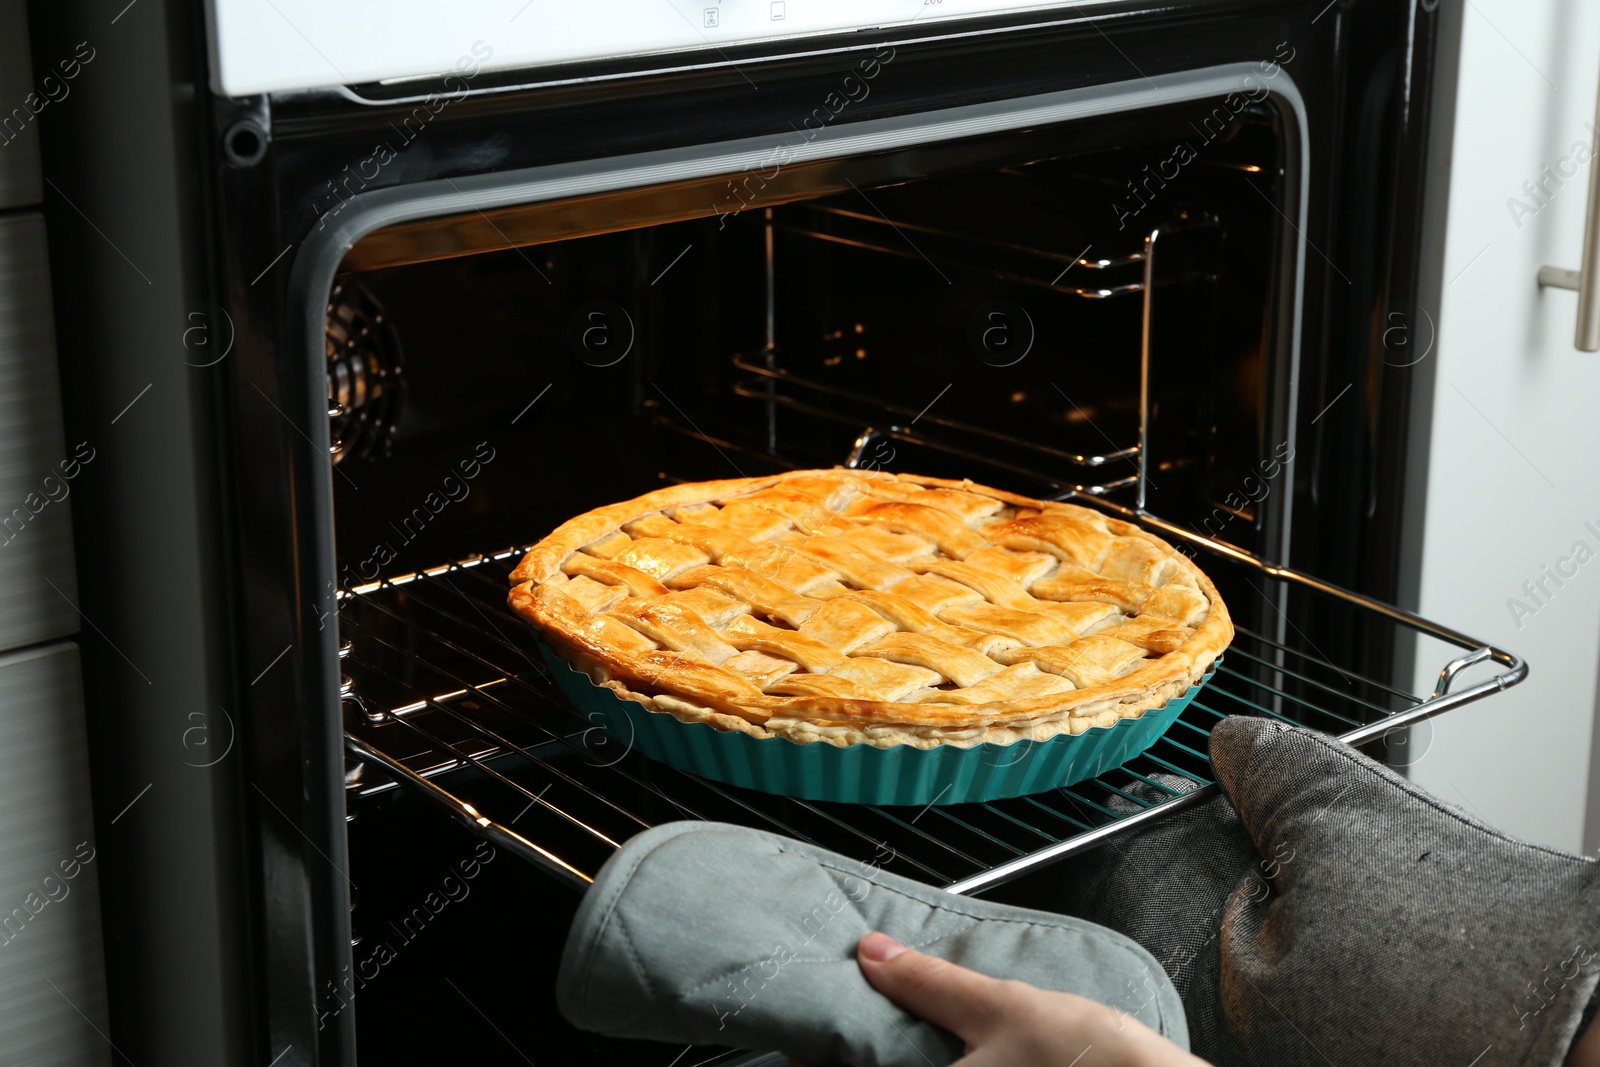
[1560, 278]
[562, 78]
[1586, 279]
[1144, 364]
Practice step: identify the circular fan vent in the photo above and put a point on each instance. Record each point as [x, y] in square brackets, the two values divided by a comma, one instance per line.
[364, 373]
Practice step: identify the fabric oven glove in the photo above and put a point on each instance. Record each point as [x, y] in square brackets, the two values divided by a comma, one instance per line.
[705, 933]
[1346, 916]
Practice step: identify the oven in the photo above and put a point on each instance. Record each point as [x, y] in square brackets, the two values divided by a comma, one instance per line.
[1131, 255]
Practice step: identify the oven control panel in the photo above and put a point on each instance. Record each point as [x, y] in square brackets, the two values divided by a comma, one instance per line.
[263, 46]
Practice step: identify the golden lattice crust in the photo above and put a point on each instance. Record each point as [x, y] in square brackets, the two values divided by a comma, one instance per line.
[862, 607]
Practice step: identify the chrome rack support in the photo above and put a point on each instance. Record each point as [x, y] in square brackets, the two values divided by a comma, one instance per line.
[778, 376]
[910, 437]
[1144, 365]
[469, 816]
[1442, 699]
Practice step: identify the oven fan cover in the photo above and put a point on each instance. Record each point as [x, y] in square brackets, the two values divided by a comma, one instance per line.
[365, 379]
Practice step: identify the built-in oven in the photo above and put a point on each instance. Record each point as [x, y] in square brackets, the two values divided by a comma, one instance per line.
[1128, 255]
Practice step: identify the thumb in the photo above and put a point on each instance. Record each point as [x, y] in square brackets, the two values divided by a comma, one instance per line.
[962, 1001]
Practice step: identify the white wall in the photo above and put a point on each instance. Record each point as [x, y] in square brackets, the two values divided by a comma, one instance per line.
[1514, 472]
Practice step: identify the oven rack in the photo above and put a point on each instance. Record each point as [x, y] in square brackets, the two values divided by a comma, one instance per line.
[454, 704]
[813, 397]
[1112, 276]
[979, 450]
[1109, 276]
[762, 378]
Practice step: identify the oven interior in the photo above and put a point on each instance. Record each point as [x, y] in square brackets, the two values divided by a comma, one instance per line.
[979, 303]
[1071, 310]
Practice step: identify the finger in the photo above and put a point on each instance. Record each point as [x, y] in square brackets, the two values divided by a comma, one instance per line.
[964, 1002]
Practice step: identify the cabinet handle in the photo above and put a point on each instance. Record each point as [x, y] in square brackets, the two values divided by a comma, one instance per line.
[1586, 279]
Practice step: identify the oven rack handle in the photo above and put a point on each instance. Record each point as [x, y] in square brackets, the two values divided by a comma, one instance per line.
[1442, 699]
[1436, 705]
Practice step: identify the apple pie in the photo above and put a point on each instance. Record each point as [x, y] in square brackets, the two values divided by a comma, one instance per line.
[859, 607]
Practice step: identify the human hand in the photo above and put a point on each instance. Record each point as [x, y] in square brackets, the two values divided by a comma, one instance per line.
[1008, 1023]
[1585, 1052]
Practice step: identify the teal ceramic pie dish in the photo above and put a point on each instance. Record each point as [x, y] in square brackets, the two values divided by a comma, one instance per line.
[866, 774]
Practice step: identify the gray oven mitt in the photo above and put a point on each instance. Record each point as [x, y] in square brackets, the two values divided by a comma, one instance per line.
[1165, 887]
[1370, 923]
[705, 933]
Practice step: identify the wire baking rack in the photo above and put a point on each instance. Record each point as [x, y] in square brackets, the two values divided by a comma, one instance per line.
[445, 695]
